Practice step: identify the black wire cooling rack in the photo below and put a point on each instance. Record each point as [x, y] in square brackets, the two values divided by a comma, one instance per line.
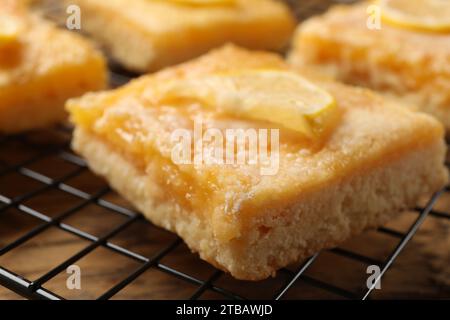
[45, 161]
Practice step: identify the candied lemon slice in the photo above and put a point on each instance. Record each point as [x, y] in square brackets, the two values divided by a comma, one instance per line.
[426, 15]
[280, 97]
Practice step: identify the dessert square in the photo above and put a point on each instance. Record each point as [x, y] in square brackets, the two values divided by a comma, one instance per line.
[402, 62]
[374, 160]
[41, 67]
[146, 35]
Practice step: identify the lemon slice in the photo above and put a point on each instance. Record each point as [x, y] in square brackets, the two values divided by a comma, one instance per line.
[280, 97]
[426, 15]
[204, 2]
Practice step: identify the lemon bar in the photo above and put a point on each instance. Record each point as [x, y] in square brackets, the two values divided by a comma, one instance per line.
[373, 160]
[145, 35]
[407, 63]
[40, 68]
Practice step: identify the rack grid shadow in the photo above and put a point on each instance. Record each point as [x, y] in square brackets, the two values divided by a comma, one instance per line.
[54, 214]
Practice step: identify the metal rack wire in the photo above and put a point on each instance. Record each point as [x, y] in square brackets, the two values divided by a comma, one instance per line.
[56, 144]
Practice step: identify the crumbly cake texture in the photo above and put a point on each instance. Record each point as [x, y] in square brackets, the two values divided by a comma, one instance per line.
[378, 160]
[145, 35]
[410, 66]
[36, 79]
